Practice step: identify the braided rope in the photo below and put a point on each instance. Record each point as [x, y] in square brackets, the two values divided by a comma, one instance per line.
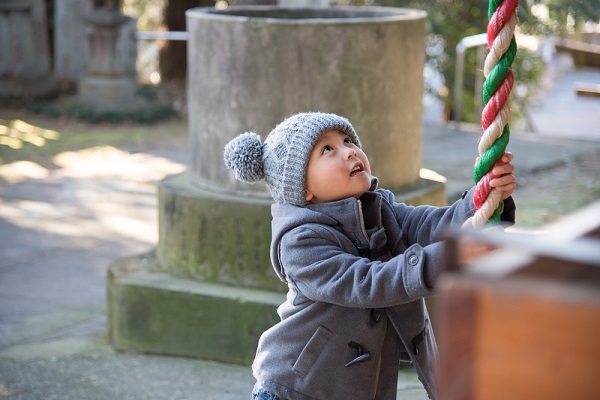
[499, 81]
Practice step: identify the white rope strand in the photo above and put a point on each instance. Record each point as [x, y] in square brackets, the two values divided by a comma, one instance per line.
[500, 45]
[494, 131]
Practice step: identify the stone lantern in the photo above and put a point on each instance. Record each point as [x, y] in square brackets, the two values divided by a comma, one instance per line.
[109, 80]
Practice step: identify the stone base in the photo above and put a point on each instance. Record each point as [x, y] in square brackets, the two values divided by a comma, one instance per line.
[222, 244]
[108, 92]
[151, 312]
[223, 239]
[212, 237]
[28, 89]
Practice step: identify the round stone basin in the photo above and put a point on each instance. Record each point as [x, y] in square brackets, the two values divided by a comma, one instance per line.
[314, 14]
[250, 67]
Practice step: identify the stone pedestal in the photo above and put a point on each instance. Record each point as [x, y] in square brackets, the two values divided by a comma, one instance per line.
[70, 45]
[107, 92]
[209, 290]
[24, 50]
[24, 43]
[110, 80]
[249, 68]
[214, 237]
[153, 312]
[219, 238]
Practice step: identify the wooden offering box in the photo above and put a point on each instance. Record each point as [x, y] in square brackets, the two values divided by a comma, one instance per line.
[523, 323]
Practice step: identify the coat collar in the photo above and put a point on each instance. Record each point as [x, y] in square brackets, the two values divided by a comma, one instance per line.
[353, 216]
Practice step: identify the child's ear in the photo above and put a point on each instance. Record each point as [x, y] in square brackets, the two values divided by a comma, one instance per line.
[308, 195]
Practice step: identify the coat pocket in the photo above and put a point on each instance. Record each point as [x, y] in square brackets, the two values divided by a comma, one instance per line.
[311, 352]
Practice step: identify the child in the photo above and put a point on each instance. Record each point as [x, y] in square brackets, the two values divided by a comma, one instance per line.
[357, 264]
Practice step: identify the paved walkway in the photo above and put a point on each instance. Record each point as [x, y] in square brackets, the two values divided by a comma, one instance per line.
[61, 230]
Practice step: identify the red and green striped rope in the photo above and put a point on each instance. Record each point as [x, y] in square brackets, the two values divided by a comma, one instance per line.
[499, 81]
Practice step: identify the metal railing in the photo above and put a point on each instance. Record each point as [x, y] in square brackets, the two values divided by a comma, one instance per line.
[161, 35]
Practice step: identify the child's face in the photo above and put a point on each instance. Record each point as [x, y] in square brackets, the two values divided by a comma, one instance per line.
[337, 169]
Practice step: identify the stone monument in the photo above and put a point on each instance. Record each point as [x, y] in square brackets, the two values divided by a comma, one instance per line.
[70, 44]
[248, 69]
[24, 49]
[110, 78]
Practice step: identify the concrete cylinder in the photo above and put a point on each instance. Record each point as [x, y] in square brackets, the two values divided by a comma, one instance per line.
[251, 67]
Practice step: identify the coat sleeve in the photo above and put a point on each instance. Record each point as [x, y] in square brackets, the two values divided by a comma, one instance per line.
[319, 265]
[426, 225]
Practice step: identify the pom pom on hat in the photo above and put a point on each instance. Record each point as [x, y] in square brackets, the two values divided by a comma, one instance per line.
[243, 155]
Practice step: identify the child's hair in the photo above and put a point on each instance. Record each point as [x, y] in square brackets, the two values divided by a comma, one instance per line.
[282, 159]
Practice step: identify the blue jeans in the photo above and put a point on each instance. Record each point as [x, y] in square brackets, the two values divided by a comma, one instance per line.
[258, 393]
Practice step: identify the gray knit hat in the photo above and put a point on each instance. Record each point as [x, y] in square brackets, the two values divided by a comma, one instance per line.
[282, 160]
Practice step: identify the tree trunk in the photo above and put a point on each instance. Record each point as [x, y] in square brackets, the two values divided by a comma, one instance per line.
[173, 54]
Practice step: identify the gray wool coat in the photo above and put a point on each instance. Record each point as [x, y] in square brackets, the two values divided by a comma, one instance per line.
[355, 306]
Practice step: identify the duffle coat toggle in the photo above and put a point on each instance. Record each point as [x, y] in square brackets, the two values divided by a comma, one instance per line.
[376, 314]
[363, 250]
[361, 355]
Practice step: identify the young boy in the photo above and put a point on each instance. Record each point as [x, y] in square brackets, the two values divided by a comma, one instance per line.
[357, 264]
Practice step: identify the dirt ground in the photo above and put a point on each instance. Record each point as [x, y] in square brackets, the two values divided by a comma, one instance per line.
[547, 195]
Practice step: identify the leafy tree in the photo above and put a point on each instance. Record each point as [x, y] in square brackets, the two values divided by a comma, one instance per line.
[166, 15]
[559, 17]
[450, 20]
[148, 13]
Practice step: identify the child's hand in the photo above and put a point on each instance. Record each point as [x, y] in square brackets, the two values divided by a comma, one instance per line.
[506, 183]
